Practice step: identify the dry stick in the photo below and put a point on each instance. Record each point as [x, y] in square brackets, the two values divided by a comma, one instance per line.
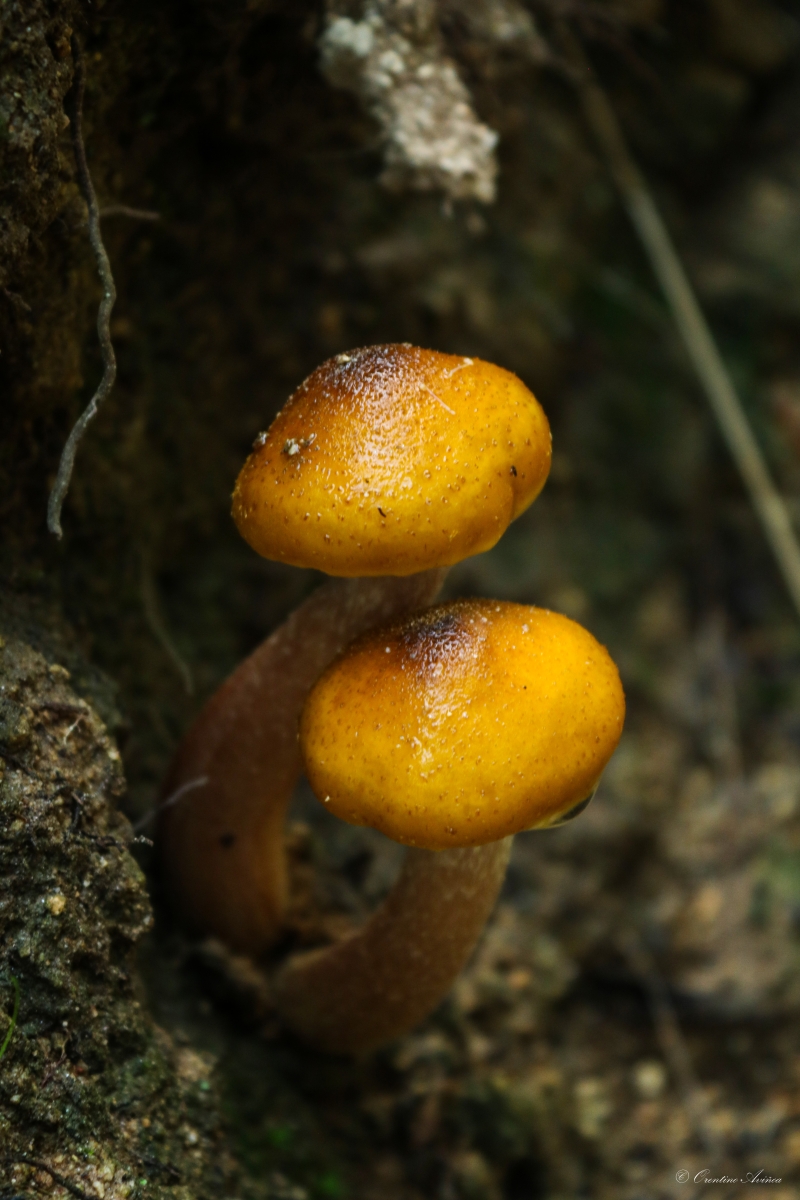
[688, 317]
[61, 485]
[125, 210]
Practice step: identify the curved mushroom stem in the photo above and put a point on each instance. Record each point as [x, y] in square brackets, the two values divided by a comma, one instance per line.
[225, 796]
[377, 984]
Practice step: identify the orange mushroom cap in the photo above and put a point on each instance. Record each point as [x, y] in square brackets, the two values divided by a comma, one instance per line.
[391, 460]
[462, 725]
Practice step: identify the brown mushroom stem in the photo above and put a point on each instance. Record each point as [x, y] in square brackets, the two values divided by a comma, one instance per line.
[380, 982]
[225, 797]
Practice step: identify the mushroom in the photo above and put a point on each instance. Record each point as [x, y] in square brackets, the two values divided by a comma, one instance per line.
[449, 731]
[387, 465]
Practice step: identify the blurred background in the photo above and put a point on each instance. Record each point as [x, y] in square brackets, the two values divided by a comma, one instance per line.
[633, 1009]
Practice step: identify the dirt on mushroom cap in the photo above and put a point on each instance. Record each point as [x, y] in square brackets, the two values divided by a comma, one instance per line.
[473, 721]
[391, 460]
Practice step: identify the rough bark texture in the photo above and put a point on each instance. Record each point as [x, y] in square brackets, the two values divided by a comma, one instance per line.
[89, 1088]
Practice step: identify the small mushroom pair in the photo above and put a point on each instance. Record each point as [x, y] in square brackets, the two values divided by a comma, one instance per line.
[449, 729]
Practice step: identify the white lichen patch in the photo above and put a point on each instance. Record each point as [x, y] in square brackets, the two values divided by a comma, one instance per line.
[432, 137]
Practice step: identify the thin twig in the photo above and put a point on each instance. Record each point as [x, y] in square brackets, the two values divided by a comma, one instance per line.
[63, 1182]
[688, 316]
[177, 795]
[148, 1162]
[155, 619]
[61, 485]
[14, 1015]
[16, 299]
[125, 210]
[62, 710]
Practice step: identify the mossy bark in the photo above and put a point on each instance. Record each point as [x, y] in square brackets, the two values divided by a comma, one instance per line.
[89, 1087]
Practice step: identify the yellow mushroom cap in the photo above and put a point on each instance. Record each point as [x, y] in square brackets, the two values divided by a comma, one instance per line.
[391, 460]
[464, 724]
